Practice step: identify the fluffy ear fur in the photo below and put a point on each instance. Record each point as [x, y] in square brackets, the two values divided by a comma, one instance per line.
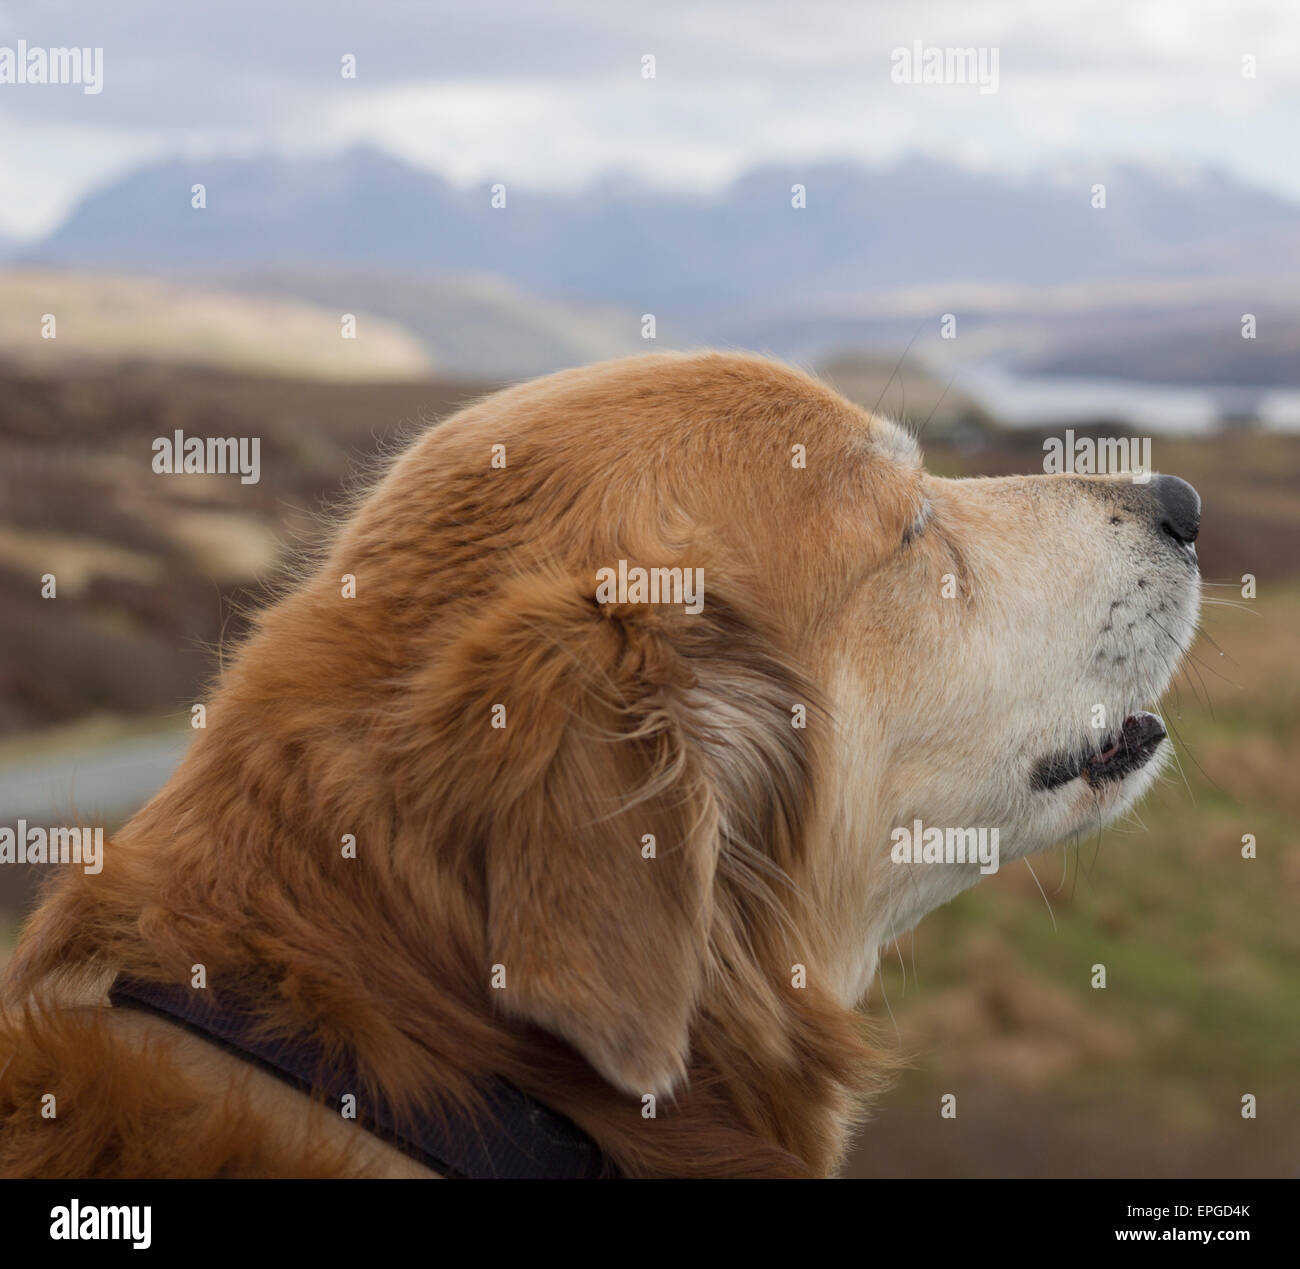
[631, 739]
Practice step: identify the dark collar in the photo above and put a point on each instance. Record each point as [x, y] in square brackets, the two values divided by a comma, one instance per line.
[517, 1138]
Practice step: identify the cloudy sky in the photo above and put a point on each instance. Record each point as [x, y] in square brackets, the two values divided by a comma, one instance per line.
[552, 94]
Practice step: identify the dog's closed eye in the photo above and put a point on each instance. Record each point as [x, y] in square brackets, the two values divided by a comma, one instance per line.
[917, 527]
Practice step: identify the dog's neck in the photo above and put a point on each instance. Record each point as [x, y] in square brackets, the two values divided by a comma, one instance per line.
[356, 928]
[352, 967]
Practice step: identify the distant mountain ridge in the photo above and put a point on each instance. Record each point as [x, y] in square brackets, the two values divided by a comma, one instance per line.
[863, 228]
[1152, 286]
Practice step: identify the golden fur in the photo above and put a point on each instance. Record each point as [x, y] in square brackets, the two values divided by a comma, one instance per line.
[521, 846]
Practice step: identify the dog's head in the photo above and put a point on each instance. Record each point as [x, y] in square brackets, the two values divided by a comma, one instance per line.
[666, 650]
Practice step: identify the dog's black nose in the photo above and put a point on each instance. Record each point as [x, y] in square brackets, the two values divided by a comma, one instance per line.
[1178, 508]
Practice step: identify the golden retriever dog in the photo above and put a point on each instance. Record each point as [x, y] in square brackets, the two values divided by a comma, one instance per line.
[553, 824]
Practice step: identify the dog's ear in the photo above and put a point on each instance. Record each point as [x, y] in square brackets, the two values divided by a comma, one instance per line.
[635, 746]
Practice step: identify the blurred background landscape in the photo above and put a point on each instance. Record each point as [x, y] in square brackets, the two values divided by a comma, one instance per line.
[628, 197]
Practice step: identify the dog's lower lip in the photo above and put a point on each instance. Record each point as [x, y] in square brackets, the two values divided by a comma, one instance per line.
[1129, 750]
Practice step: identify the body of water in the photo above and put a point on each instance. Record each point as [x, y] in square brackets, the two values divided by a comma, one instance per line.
[1024, 401]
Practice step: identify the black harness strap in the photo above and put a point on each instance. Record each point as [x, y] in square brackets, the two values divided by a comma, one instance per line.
[518, 1139]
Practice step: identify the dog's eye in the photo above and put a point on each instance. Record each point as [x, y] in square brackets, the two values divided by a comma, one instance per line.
[917, 527]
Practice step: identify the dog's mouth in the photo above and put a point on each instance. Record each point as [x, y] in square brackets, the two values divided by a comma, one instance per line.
[1122, 753]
